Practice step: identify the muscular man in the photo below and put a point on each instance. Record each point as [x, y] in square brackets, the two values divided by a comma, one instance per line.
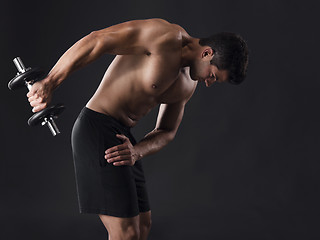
[156, 63]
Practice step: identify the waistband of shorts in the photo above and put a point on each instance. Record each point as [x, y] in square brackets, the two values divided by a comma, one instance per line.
[103, 117]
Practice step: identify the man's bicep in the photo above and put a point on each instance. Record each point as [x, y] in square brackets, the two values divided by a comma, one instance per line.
[170, 116]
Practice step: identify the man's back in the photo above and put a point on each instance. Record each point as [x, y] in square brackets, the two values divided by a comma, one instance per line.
[148, 72]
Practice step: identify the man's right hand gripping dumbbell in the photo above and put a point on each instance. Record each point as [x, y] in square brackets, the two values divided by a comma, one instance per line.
[40, 94]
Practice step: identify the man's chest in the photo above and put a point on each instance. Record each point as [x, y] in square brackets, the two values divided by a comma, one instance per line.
[168, 85]
[182, 87]
[158, 78]
[165, 80]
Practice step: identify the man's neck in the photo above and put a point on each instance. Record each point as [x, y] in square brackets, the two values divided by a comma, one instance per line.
[190, 52]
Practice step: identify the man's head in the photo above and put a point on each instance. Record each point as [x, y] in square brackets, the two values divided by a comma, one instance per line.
[223, 55]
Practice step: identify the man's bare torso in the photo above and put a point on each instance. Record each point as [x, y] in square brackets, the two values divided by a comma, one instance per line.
[134, 84]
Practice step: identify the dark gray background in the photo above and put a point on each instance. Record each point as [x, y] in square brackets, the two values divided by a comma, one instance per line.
[244, 163]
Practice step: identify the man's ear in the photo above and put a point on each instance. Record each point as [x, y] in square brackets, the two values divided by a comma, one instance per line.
[207, 53]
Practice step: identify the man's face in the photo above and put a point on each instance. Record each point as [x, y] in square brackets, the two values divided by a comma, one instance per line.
[203, 71]
[214, 75]
[208, 73]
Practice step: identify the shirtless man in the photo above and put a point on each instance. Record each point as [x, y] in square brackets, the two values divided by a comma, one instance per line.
[156, 63]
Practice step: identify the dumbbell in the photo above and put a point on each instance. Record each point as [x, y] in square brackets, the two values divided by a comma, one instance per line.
[27, 77]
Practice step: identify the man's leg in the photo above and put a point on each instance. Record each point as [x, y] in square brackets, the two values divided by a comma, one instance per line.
[128, 228]
[121, 228]
[145, 224]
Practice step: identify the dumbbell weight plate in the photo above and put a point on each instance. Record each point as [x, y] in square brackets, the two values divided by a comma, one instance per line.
[52, 111]
[32, 74]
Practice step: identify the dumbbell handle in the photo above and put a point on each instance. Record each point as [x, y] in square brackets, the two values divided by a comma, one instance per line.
[19, 65]
[51, 125]
[49, 122]
[21, 69]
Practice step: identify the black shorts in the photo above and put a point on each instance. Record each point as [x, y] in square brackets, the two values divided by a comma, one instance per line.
[103, 188]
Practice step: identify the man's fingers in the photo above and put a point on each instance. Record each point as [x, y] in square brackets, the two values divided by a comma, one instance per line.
[37, 102]
[30, 93]
[120, 146]
[34, 102]
[122, 137]
[117, 153]
[122, 163]
[39, 107]
[36, 98]
[116, 148]
[32, 97]
[119, 158]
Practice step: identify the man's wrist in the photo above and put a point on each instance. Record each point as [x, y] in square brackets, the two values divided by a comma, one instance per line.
[137, 155]
[55, 78]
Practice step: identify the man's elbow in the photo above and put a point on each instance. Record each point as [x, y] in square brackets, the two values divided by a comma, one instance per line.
[171, 135]
[100, 41]
[96, 36]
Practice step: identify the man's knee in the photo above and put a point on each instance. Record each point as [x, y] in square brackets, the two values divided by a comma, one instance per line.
[146, 225]
[145, 222]
[132, 232]
[122, 228]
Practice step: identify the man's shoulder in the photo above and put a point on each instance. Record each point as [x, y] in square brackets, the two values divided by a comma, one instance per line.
[161, 26]
[157, 21]
[166, 24]
[163, 34]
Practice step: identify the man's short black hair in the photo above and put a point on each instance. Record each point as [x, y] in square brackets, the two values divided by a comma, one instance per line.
[230, 53]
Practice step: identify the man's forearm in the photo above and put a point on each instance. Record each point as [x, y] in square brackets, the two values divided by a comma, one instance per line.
[79, 55]
[153, 142]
